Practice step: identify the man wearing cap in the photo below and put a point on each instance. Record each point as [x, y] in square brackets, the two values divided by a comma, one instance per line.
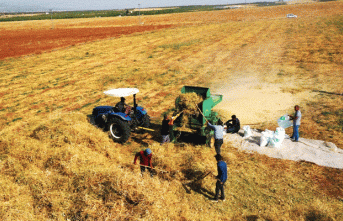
[233, 125]
[145, 160]
[218, 134]
[221, 178]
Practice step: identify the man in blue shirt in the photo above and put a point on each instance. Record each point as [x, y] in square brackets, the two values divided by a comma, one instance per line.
[221, 177]
[218, 134]
[296, 123]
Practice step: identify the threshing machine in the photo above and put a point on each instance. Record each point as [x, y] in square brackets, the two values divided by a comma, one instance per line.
[197, 122]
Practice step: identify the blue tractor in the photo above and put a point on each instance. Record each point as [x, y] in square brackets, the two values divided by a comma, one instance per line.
[120, 122]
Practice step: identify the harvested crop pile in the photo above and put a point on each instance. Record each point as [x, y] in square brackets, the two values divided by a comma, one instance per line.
[188, 104]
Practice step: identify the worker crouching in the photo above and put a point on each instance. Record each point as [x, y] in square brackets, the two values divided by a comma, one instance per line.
[233, 125]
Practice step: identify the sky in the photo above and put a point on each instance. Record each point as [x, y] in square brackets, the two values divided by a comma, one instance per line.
[79, 5]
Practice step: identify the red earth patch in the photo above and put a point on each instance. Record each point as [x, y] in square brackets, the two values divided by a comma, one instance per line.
[14, 43]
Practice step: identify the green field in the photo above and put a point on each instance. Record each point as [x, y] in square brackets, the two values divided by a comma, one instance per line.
[124, 12]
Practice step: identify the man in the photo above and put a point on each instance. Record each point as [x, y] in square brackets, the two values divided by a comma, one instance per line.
[166, 124]
[145, 160]
[233, 125]
[121, 106]
[167, 128]
[296, 123]
[221, 178]
[218, 134]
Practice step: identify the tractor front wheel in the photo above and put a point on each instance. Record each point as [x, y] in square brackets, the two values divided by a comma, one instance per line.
[119, 130]
[146, 121]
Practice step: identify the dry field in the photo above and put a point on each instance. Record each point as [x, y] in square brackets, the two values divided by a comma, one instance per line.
[55, 165]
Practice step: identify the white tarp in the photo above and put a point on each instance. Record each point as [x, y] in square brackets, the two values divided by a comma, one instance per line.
[121, 92]
[316, 151]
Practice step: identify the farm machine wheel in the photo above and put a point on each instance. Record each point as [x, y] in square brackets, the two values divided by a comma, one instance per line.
[119, 130]
[146, 121]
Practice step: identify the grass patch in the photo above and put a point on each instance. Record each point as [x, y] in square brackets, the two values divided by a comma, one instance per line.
[178, 46]
[16, 119]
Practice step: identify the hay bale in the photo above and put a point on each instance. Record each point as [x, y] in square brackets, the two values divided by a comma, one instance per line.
[188, 103]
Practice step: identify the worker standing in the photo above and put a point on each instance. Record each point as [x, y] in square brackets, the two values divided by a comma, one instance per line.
[167, 123]
[221, 178]
[296, 123]
[167, 132]
[145, 160]
[218, 134]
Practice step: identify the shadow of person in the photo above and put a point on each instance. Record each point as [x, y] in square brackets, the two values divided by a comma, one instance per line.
[196, 183]
[198, 188]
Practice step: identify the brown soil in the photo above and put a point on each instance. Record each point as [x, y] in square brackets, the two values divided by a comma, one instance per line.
[14, 43]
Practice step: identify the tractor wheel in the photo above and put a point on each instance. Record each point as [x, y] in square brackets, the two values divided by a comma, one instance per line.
[146, 121]
[119, 130]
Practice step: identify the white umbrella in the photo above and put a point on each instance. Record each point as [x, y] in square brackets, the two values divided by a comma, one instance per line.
[121, 92]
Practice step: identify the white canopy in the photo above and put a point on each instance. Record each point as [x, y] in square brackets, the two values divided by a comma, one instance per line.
[121, 92]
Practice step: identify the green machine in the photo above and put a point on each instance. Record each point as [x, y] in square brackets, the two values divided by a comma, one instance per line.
[196, 122]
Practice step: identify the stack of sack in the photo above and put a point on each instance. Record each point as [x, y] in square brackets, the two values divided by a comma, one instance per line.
[272, 139]
[247, 131]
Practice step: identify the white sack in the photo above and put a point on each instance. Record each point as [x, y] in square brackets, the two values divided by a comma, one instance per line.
[264, 141]
[277, 138]
[247, 131]
[265, 138]
[284, 121]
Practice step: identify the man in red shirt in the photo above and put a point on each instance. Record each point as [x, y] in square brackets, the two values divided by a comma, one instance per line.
[145, 160]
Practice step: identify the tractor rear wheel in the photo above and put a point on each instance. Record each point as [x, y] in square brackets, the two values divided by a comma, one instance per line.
[119, 130]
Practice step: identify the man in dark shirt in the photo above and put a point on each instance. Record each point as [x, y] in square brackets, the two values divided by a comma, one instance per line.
[145, 160]
[221, 178]
[233, 125]
[121, 106]
[166, 123]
